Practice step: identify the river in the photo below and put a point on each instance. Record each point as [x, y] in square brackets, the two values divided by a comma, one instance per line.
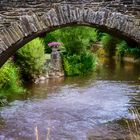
[90, 107]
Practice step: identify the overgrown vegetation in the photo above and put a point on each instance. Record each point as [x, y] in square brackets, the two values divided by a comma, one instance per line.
[76, 54]
[109, 44]
[76, 43]
[31, 59]
[9, 78]
[79, 64]
[121, 48]
[114, 46]
[29, 63]
[134, 52]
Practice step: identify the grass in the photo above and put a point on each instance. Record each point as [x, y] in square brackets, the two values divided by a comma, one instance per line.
[134, 125]
[37, 133]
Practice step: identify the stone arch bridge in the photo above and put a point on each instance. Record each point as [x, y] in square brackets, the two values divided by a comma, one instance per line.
[23, 20]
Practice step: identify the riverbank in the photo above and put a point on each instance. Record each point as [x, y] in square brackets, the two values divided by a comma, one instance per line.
[101, 53]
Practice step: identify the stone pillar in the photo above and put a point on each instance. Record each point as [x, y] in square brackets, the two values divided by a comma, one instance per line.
[55, 59]
[56, 63]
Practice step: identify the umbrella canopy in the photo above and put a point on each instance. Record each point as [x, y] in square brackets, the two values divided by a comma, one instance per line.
[54, 44]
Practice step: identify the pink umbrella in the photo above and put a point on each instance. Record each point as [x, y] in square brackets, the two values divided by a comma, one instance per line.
[54, 44]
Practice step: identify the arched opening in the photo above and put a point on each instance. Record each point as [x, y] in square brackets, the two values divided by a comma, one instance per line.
[109, 45]
[5, 55]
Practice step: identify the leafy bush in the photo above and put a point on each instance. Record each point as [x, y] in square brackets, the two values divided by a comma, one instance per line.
[9, 77]
[73, 46]
[79, 64]
[31, 58]
[134, 52]
[89, 61]
[77, 58]
[109, 44]
[72, 65]
[76, 39]
[122, 47]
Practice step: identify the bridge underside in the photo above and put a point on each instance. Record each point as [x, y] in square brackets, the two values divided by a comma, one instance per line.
[22, 21]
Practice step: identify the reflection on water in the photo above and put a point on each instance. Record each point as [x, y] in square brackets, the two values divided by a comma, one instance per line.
[76, 108]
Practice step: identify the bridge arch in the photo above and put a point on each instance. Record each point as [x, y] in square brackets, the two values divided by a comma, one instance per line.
[30, 25]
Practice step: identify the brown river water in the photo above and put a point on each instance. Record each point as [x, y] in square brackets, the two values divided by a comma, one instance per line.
[90, 107]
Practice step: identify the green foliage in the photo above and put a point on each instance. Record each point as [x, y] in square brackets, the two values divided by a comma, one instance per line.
[73, 45]
[72, 65]
[79, 64]
[122, 47]
[109, 44]
[76, 43]
[77, 58]
[89, 61]
[9, 78]
[46, 40]
[31, 58]
[134, 52]
[76, 39]
[106, 41]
